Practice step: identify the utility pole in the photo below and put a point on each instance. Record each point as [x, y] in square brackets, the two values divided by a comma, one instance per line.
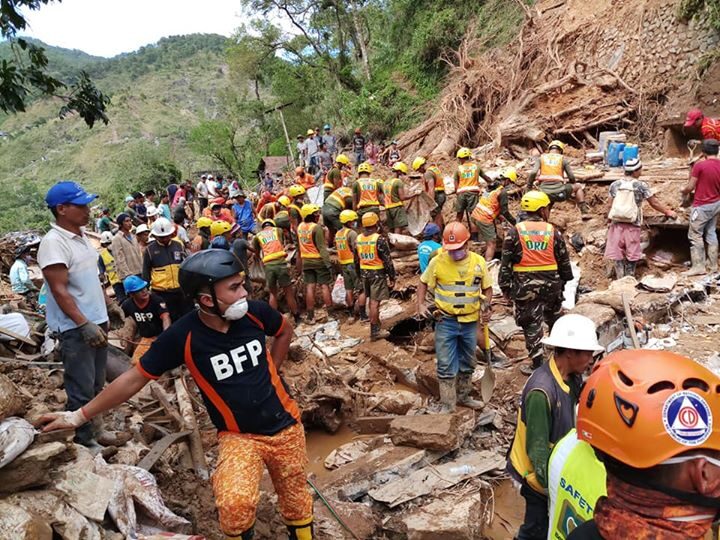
[279, 109]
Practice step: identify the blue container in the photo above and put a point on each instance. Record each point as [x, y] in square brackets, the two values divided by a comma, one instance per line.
[614, 154]
[632, 151]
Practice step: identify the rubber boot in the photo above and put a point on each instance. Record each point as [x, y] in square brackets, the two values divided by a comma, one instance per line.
[448, 395]
[697, 256]
[584, 210]
[619, 269]
[247, 535]
[712, 254]
[528, 370]
[302, 529]
[464, 388]
[630, 268]
[376, 333]
[351, 316]
[363, 314]
[310, 316]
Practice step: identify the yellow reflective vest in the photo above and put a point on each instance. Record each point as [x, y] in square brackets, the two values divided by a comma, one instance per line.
[164, 265]
[109, 262]
[576, 480]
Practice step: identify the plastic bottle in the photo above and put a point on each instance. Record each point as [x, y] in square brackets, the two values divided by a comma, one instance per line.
[462, 470]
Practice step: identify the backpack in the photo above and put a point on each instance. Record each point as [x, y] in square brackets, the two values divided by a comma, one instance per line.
[624, 206]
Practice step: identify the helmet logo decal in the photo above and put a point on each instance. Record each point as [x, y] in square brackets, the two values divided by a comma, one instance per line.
[687, 418]
[451, 237]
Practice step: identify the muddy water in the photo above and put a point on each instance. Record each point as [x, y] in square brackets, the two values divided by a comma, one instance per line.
[320, 444]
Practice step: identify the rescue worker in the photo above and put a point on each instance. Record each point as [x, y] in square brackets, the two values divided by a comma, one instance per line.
[106, 266]
[303, 178]
[430, 246]
[493, 204]
[161, 267]
[218, 211]
[282, 217]
[550, 172]
[339, 200]
[202, 238]
[434, 186]
[534, 268]
[463, 293]
[268, 243]
[335, 177]
[376, 269]
[367, 192]
[467, 184]
[547, 414]
[314, 260]
[296, 194]
[223, 345]
[649, 416]
[396, 218]
[346, 243]
[221, 228]
[147, 310]
[709, 127]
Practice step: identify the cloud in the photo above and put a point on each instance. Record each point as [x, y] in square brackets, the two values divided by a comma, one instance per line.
[110, 27]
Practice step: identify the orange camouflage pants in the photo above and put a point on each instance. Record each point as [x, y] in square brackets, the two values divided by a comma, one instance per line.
[141, 348]
[236, 481]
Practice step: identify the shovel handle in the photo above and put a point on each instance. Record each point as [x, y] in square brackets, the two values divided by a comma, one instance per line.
[486, 333]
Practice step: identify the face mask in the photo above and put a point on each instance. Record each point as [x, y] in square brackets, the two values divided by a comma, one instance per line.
[458, 254]
[236, 310]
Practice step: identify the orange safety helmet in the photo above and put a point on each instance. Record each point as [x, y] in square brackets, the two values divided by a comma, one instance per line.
[643, 407]
[455, 236]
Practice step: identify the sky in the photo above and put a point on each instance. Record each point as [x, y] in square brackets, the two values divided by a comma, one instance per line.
[110, 27]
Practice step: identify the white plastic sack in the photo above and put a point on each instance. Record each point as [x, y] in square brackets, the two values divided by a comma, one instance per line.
[15, 322]
[570, 291]
[315, 195]
[338, 292]
[16, 434]
[449, 182]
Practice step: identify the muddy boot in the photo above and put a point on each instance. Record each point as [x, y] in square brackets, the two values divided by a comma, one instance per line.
[584, 210]
[363, 314]
[619, 269]
[351, 316]
[528, 370]
[630, 268]
[464, 388]
[247, 535]
[376, 333]
[697, 255]
[301, 529]
[712, 255]
[297, 318]
[310, 317]
[448, 395]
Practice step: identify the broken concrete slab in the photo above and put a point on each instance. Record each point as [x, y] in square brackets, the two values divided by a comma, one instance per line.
[87, 492]
[32, 468]
[427, 379]
[349, 452]
[446, 519]
[440, 432]
[608, 323]
[426, 480]
[659, 284]
[359, 518]
[505, 328]
[403, 365]
[395, 401]
[19, 524]
[613, 295]
[373, 424]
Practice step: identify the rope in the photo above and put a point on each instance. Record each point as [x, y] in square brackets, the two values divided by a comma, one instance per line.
[332, 511]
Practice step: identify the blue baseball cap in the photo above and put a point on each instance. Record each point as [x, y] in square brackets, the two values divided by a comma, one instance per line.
[133, 284]
[431, 229]
[68, 193]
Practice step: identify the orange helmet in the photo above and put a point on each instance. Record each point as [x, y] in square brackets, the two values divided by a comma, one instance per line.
[643, 407]
[455, 236]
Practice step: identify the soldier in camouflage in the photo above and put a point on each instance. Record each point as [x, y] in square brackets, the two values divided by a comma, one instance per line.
[535, 266]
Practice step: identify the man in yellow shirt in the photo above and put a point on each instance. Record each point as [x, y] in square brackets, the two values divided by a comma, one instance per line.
[463, 292]
[467, 183]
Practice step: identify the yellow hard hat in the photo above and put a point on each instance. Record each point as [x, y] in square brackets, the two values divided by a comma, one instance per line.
[342, 158]
[533, 201]
[557, 144]
[219, 227]
[510, 173]
[284, 200]
[203, 222]
[308, 209]
[266, 221]
[346, 216]
[464, 153]
[418, 162]
[296, 190]
[310, 132]
[365, 167]
[369, 219]
[400, 166]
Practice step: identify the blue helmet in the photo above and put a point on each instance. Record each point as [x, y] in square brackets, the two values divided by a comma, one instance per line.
[133, 284]
[430, 230]
[327, 126]
[220, 242]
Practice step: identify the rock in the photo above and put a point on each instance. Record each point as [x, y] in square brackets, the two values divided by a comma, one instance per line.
[359, 518]
[446, 519]
[427, 379]
[429, 431]
[505, 328]
[87, 492]
[613, 296]
[373, 424]
[349, 452]
[608, 324]
[404, 366]
[32, 468]
[11, 403]
[395, 401]
[19, 524]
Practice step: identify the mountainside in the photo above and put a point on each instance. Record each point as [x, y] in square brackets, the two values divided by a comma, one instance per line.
[158, 93]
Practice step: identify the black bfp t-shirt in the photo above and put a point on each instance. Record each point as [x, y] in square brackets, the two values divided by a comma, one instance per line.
[147, 319]
[235, 373]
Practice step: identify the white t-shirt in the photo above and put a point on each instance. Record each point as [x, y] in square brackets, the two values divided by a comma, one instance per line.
[202, 190]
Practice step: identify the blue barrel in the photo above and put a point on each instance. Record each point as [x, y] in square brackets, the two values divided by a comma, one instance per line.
[632, 151]
[614, 153]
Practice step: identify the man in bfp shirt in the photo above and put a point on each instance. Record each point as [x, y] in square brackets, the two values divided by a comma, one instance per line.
[149, 312]
[223, 346]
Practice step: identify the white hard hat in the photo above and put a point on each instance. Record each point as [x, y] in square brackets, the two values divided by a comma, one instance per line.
[162, 227]
[574, 331]
[141, 229]
[152, 211]
[106, 237]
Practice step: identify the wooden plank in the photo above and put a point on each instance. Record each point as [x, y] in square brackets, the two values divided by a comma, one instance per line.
[17, 337]
[190, 423]
[159, 448]
[158, 393]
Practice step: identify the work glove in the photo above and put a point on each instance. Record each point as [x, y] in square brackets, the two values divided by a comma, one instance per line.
[116, 315]
[62, 420]
[93, 335]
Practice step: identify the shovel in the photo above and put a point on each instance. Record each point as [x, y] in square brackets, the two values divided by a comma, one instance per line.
[487, 383]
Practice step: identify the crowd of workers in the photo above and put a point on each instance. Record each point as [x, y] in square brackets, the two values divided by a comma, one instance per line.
[191, 301]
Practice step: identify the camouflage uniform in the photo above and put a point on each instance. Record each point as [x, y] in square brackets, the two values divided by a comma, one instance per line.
[537, 296]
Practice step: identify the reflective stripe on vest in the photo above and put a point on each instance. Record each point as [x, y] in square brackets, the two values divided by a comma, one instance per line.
[548, 380]
[344, 253]
[271, 244]
[109, 262]
[458, 286]
[368, 253]
[369, 189]
[576, 480]
[327, 183]
[551, 168]
[165, 265]
[391, 201]
[469, 174]
[437, 173]
[488, 207]
[339, 196]
[537, 240]
[308, 249]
